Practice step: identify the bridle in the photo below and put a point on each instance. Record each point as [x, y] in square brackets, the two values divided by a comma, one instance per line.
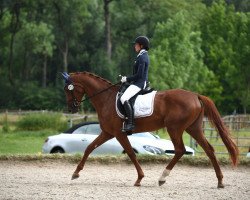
[75, 102]
[71, 87]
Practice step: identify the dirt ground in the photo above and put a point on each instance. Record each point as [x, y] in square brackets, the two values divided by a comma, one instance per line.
[51, 180]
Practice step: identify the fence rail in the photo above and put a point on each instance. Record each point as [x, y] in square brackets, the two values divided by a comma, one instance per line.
[71, 118]
[238, 125]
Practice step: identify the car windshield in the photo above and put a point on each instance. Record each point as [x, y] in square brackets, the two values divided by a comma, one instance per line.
[145, 134]
[92, 129]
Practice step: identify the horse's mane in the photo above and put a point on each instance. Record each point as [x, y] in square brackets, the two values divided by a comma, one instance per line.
[92, 75]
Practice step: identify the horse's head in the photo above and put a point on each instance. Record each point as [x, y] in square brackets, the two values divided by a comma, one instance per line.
[74, 92]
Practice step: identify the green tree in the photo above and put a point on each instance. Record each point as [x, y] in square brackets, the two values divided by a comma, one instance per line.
[140, 20]
[241, 60]
[69, 19]
[176, 59]
[14, 9]
[35, 39]
[225, 35]
[240, 5]
[44, 44]
[29, 28]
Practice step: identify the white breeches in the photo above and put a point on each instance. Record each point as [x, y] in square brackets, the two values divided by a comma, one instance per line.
[131, 91]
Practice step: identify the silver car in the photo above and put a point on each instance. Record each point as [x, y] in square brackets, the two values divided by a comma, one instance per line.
[77, 138]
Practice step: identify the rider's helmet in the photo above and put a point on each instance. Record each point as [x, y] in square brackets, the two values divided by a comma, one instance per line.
[142, 40]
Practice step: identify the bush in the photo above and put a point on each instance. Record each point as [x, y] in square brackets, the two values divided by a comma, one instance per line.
[33, 97]
[41, 121]
[6, 127]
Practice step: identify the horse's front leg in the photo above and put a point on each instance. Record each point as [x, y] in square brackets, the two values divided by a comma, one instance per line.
[102, 138]
[123, 139]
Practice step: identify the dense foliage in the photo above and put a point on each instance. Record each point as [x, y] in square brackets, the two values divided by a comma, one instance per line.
[34, 122]
[199, 45]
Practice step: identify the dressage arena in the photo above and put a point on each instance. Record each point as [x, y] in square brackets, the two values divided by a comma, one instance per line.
[51, 180]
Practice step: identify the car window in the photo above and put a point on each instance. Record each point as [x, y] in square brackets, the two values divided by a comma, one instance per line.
[81, 130]
[93, 129]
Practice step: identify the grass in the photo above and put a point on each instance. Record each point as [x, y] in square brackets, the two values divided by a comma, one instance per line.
[14, 142]
[215, 142]
[164, 135]
[242, 142]
[27, 146]
[118, 159]
[22, 134]
[23, 142]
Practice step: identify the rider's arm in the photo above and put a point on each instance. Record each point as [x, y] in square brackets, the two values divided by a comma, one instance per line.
[141, 67]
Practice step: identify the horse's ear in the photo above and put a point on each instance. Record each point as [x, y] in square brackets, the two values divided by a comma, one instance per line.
[66, 77]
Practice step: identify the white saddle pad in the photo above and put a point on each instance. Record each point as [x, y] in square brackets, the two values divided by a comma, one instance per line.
[144, 105]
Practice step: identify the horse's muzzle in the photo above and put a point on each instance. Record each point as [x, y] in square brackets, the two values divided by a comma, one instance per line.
[73, 107]
[73, 110]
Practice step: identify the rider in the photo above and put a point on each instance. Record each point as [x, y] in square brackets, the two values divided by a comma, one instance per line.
[138, 80]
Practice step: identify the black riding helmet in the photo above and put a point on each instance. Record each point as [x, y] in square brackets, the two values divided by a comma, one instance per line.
[142, 40]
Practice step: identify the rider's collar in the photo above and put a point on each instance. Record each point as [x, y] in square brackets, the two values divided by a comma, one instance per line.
[141, 52]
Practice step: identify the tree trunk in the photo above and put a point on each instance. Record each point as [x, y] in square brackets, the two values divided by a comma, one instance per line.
[24, 72]
[64, 48]
[1, 11]
[44, 84]
[107, 29]
[10, 66]
[13, 29]
[65, 56]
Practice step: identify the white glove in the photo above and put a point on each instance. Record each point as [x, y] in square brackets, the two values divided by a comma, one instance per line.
[124, 79]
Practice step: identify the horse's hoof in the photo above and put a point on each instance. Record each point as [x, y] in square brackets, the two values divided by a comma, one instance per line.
[161, 183]
[220, 185]
[137, 184]
[75, 176]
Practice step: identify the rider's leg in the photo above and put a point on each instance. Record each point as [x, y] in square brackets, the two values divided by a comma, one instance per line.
[130, 92]
[129, 126]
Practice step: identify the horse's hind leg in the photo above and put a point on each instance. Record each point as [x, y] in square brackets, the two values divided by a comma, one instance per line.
[102, 138]
[198, 135]
[176, 137]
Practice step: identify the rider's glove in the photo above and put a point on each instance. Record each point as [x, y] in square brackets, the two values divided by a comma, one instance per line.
[124, 79]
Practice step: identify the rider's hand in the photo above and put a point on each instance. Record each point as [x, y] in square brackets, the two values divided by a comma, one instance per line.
[124, 79]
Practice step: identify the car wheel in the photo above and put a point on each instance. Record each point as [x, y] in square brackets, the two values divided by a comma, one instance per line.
[57, 150]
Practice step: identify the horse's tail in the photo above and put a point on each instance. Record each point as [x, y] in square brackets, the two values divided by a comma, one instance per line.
[215, 119]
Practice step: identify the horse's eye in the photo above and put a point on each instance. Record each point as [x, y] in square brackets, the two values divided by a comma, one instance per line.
[70, 87]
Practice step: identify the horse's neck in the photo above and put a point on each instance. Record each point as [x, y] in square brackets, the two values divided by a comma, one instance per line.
[93, 88]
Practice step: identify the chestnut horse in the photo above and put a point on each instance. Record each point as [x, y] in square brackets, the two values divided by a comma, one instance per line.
[178, 110]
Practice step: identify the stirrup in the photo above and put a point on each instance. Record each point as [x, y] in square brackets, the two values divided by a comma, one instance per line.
[126, 128]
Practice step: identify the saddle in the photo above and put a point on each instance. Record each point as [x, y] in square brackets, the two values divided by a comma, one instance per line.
[119, 107]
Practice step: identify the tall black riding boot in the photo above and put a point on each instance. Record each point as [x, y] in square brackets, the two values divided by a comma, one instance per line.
[129, 123]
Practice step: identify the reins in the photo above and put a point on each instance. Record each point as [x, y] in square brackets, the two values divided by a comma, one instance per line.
[104, 90]
[70, 87]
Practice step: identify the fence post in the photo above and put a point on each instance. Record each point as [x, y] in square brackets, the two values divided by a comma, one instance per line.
[70, 123]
